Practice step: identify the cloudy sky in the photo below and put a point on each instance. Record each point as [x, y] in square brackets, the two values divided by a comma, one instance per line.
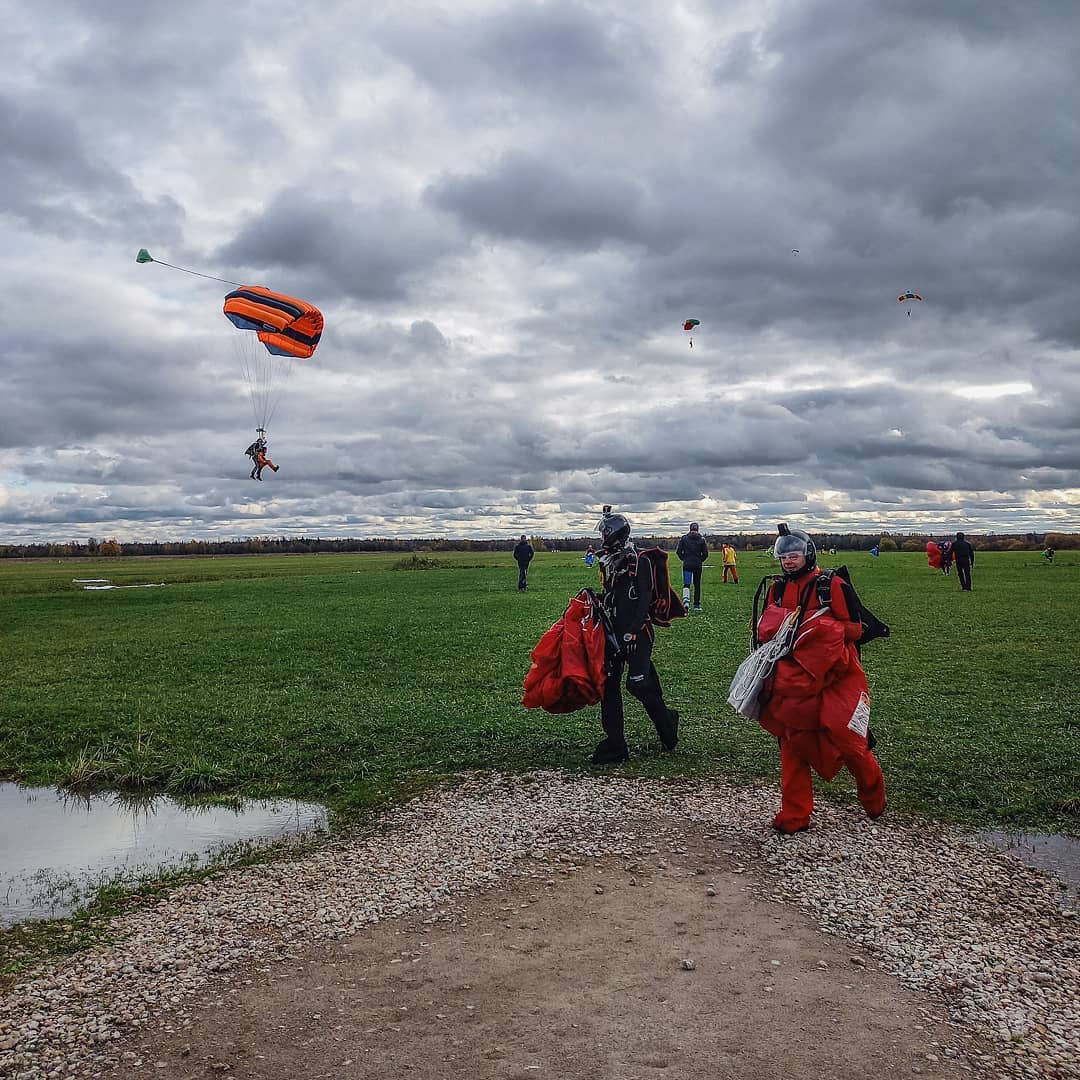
[505, 210]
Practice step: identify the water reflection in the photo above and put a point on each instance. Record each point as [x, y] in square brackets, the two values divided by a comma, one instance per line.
[57, 848]
[1045, 851]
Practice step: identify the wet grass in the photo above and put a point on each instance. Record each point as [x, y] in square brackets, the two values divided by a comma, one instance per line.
[347, 680]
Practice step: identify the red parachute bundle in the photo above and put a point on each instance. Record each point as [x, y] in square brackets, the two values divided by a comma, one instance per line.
[567, 670]
[933, 554]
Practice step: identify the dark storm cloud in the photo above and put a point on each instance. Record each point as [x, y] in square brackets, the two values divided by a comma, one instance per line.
[55, 183]
[529, 199]
[346, 249]
[559, 51]
[923, 129]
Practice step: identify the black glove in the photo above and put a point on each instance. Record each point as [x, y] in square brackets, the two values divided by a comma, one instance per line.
[629, 646]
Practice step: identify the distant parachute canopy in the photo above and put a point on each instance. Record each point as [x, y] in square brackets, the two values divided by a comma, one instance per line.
[285, 325]
[794, 251]
[906, 298]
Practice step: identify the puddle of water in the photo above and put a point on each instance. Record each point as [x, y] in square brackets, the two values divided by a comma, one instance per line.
[98, 584]
[57, 849]
[1045, 851]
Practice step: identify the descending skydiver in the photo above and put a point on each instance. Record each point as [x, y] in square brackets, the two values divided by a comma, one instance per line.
[258, 452]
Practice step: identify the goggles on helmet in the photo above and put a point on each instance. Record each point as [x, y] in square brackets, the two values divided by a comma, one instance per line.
[790, 545]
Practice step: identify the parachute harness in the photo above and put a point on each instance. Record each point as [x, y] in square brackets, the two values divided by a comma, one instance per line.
[614, 564]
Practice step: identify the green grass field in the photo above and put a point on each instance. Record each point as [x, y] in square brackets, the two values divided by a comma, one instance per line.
[342, 679]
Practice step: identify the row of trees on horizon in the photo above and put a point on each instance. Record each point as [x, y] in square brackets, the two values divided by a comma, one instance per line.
[305, 545]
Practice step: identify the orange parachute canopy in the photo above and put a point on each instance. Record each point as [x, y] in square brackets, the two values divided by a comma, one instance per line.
[933, 554]
[285, 325]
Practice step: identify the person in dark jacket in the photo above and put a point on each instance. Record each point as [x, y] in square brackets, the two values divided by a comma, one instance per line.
[963, 555]
[627, 598]
[523, 553]
[692, 552]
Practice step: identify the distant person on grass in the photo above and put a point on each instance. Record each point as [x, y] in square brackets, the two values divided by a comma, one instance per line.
[628, 599]
[692, 552]
[523, 554]
[817, 703]
[728, 557]
[963, 554]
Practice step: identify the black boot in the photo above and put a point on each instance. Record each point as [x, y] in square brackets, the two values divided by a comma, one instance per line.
[669, 731]
[610, 752]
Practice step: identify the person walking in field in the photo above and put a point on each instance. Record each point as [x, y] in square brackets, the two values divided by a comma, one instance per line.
[963, 554]
[692, 553]
[727, 553]
[817, 701]
[629, 599]
[523, 553]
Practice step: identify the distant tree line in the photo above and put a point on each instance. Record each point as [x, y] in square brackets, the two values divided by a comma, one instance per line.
[306, 545]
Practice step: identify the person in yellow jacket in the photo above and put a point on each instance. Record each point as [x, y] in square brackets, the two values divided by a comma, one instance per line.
[728, 554]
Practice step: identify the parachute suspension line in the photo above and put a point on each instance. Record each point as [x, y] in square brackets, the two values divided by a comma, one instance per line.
[264, 375]
[196, 273]
[144, 256]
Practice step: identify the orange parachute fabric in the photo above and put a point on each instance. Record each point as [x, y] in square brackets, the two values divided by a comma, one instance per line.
[285, 325]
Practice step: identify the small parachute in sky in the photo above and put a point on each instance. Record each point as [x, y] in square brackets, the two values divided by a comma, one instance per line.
[907, 298]
[688, 326]
[794, 251]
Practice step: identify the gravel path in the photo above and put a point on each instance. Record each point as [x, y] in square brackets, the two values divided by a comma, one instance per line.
[991, 940]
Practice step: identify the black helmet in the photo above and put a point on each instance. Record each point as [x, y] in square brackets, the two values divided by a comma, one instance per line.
[614, 531]
[795, 542]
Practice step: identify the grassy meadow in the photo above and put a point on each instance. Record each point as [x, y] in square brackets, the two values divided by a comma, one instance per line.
[343, 679]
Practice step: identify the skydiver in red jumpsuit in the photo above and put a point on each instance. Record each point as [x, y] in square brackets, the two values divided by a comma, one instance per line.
[818, 701]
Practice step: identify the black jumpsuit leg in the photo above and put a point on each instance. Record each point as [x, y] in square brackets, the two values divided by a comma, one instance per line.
[643, 681]
[613, 746]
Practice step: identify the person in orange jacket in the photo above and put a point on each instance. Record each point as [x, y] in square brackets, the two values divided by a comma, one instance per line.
[817, 703]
